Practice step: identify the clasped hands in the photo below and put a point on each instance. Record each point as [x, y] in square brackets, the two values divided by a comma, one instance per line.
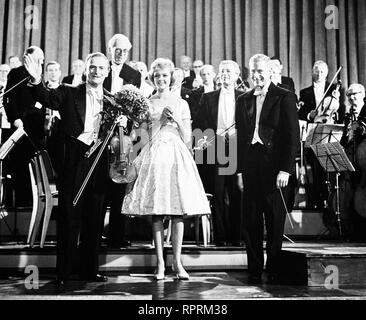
[167, 116]
[281, 181]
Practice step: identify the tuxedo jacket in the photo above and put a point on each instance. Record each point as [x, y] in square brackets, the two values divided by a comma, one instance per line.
[69, 79]
[278, 128]
[129, 76]
[208, 112]
[69, 101]
[288, 82]
[194, 101]
[307, 96]
[20, 104]
[188, 81]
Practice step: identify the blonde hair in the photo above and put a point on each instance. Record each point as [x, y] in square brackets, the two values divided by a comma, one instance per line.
[162, 63]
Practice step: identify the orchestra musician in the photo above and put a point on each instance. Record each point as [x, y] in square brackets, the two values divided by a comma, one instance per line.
[354, 142]
[22, 110]
[314, 103]
[216, 112]
[75, 103]
[311, 97]
[121, 73]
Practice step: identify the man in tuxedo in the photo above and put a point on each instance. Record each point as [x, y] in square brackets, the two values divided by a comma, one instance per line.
[268, 138]
[208, 75]
[4, 71]
[77, 77]
[216, 115]
[121, 74]
[189, 75]
[353, 218]
[283, 81]
[197, 66]
[311, 97]
[22, 110]
[80, 109]
[53, 132]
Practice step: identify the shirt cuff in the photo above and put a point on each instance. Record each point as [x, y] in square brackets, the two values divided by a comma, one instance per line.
[34, 82]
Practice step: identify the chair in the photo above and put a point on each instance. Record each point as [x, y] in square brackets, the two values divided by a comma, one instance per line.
[45, 195]
[205, 223]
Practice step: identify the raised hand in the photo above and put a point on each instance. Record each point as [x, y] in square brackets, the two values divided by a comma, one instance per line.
[34, 68]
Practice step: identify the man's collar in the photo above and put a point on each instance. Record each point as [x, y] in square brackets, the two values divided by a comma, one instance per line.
[262, 91]
[116, 67]
[319, 84]
[98, 91]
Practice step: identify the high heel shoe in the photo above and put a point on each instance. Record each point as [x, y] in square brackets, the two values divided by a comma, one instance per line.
[180, 275]
[158, 276]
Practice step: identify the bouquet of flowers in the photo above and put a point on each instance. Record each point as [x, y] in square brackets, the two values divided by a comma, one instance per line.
[129, 102]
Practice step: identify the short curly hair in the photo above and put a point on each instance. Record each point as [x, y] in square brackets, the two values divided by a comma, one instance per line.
[162, 63]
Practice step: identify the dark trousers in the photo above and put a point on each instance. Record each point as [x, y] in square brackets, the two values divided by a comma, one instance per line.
[226, 215]
[226, 211]
[117, 221]
[262, 201]
[85, 218]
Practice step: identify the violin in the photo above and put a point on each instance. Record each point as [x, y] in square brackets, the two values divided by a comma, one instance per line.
[327, 114]
[121, 169]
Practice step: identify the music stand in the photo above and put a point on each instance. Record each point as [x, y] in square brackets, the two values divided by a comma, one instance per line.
[323, 133]
[333, 158]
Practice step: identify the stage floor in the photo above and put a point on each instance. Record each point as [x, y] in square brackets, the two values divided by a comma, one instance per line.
[201, 286]
[130, 279]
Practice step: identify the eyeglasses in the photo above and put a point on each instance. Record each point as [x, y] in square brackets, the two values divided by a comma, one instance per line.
[200, 66]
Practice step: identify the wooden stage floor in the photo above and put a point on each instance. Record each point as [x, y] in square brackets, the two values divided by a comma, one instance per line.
[219, 283]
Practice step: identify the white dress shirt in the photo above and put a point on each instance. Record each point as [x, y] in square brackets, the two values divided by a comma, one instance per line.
[78, 79]
[117, 82]
[226, 112]
[319, 89]
[94, 105]
[260, 97]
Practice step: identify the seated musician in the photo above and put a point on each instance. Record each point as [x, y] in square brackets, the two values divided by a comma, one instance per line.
[354, 141]
[311, 97]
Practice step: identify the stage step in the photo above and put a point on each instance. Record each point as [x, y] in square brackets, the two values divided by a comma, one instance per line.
[325, 265]
[137, 257]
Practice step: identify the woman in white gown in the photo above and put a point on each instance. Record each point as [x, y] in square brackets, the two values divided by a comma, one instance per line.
[168, 183]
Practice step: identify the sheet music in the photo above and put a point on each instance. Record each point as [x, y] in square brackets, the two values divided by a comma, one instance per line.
[323, 133]
[332, 157]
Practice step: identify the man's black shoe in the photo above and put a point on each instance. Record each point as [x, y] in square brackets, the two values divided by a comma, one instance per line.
[255, 280]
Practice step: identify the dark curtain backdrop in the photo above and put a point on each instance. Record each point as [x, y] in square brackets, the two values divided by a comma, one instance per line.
[211, 30]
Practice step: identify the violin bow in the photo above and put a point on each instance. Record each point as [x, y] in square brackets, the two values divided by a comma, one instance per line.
[330, 85]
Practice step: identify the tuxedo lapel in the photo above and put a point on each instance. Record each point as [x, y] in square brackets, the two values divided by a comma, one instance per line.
[250, 105]
[214, 108]
[269, 102]
[80, 102]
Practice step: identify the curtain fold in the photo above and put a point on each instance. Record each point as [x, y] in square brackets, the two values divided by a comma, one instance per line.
[210, 30]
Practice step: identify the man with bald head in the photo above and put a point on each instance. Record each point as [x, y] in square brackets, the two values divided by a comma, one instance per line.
[23, 111]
